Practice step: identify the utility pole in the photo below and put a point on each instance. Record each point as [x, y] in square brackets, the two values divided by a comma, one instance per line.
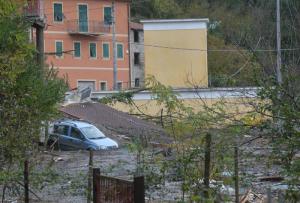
[40, 44]
[278, 67]
[114, 45]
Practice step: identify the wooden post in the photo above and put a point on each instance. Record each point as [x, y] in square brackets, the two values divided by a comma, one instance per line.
[269, 195]
[46, 134]
[207, 164]
[139, 189]
[236, 174]
[161, 118]
[26, 182]
[96, 185]
[90, 178]
[281, 197]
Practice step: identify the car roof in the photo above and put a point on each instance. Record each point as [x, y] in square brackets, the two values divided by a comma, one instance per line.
[74, 123]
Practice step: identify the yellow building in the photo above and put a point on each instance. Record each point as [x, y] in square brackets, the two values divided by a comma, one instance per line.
[176, 51]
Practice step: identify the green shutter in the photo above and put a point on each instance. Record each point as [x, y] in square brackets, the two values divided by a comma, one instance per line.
[105, 51]
[59, 49]
[120, 51]
[77, 49]
[93, 53]
[58, 15]
[107, 16]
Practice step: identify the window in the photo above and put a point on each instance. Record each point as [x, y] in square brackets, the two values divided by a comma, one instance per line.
[61, 129]
[83, 18]
[136, 36]
[119, 86]
[92, 132]
[120, 54]
[77, 49]
[76, 133]
[137, 82]
[93, 50]
[103, 86]
[105, 50]
[57, 14]
[107, 16]
[136, 58]
[85, 84]
[59, 49]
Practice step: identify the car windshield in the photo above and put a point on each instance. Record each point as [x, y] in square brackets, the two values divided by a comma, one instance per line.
[92, 132]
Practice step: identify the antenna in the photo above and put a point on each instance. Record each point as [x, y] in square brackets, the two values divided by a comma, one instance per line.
[85, 93]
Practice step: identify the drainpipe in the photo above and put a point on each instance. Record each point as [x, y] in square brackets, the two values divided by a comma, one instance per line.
[129, 45]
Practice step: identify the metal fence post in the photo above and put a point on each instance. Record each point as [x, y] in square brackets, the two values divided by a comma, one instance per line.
[96, 185]
[139, 189]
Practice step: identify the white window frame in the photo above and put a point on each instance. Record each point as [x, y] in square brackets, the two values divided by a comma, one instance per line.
[121, 85]
[87, 80]
[107, 6]
[87, 13]
[105, 58]
[120, 59]
[62, 46]
[90, 50]
[74, 50]
[62, 11]
[100, 85]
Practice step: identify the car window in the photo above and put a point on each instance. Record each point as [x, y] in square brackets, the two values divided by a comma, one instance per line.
[76, 133]
[61, 129]
[92, 132]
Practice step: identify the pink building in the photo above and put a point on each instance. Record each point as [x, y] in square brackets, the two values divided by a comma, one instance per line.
[78, 41]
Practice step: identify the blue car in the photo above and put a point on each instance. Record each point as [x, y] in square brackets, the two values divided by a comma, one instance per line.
[70, 134]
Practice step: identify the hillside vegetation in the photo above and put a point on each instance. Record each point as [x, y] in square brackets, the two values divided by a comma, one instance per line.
[242, 35]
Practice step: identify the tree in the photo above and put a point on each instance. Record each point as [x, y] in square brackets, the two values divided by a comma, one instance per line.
[29, 94]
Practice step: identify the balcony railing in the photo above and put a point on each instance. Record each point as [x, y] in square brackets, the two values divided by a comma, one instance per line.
[87, 27]
[34, 9]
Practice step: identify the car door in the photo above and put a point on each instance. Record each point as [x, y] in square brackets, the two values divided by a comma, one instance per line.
[77, 139]
[62, 134]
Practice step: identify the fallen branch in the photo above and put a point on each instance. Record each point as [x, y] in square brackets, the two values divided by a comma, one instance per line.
[245, 198]
[271, 178]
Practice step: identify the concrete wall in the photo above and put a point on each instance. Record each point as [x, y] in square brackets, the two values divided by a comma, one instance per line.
[235, 100]
[176, 52]
[137, 71]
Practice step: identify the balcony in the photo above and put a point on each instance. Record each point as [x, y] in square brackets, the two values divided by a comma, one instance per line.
[89, 28]
[34, 11]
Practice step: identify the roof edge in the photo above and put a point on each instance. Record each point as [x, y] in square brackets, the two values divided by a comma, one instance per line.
[205, 20]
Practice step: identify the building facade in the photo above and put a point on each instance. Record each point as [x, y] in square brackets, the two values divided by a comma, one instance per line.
[79, 42]
[137, 55]
[176, 52]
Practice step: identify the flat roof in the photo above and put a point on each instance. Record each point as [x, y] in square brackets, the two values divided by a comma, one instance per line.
[206, 20]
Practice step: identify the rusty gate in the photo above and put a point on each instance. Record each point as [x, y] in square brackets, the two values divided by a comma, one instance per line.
[114, 190]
